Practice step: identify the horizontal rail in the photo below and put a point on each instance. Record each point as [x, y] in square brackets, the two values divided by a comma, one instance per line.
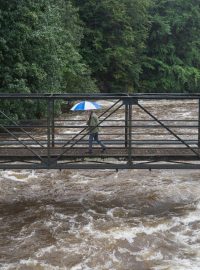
[36, 121]
[93, 166]
[61, 141]
[57, 142]
[99, 96]
[122, 120]
[102, 126]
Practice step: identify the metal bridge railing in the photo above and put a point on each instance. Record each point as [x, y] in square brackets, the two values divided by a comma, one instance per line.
[129, 125]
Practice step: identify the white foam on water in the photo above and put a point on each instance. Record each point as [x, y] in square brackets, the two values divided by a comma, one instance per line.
[130, 233]
[114, 258]
[65, 217]
[108, 264]
[80, 178]
[125, 250]
[179, 264]
[18, 176]
[76, 176]
[187, 236]
[23, 237]
[12, 176]
[32, 264]
[35, 187]
[111, 212]
[83, 181]
[6, 266]
[125, 233]
[185, 222]
[149, 254]
[53, 226]
[45, 250]
[81, 266]
[33, 174]
[101, 192]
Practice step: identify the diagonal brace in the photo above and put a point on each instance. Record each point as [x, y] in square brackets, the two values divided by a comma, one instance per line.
[168, 129]
[21, 128]
[13, 135]
[67, 149]
[86, 127]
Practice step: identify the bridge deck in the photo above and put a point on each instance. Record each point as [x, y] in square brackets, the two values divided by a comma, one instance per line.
[137, 153]
[140, 131]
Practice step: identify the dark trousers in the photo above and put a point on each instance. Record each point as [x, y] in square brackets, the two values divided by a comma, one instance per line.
[94, 136]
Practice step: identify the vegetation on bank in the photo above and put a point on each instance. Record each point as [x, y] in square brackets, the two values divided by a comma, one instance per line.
[97, 45]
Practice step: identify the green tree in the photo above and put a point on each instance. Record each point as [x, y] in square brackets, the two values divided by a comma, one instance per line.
[39, 51]
[114, 39]
[76, 73]
[172, 62]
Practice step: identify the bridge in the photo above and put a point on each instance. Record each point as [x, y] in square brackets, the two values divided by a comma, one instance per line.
[140, 131]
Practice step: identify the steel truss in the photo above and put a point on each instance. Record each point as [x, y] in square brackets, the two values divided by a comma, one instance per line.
[61, 142]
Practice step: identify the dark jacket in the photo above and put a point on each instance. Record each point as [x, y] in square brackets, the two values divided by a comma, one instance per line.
[92, 123]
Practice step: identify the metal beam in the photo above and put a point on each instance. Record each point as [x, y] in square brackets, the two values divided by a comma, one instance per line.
[21, 142]
[67, 149]
[168, 129]
[22, 129]
[126, 125]
[105, 96]
[199, 124]
[102, 166]
[47, 156]
[130, 134]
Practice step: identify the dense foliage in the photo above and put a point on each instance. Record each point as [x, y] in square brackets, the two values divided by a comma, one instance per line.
[115, 33]
[172, 58]
[39, 43]
[97, 45]
[39, 46]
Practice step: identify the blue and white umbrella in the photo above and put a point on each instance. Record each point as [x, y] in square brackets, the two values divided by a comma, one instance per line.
[86, 106]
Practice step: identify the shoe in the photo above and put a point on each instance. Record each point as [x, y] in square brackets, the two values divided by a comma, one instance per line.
[103, 149]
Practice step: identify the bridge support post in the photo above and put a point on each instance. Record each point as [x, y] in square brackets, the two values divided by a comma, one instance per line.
[129, 102]
[53, 125]
[199, 124]
[50, 128]
[126, 125]
[130, 133]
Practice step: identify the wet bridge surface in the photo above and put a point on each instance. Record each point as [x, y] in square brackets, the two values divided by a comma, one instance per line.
[143, 131]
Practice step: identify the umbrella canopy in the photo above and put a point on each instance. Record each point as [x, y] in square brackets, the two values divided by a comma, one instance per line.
[86, 106]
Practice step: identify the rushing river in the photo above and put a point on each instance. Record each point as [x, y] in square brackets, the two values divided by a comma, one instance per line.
[101, 220]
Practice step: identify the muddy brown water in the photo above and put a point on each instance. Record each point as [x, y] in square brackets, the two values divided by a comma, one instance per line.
[102, 220]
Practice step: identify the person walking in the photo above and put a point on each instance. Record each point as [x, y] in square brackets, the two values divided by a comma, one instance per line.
[93, 127]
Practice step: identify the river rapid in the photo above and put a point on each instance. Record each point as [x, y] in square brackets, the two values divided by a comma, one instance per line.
[102, 220]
